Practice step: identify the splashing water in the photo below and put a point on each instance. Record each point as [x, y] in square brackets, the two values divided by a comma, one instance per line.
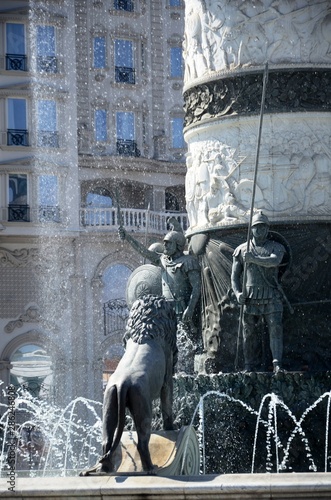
[61, 441]
[52, 440]
[272, 403]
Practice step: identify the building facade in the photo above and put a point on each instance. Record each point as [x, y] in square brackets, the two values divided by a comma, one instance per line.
[91, 137]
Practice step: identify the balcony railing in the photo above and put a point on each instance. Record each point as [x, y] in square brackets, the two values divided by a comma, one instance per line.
[125, 75]
[16, 62]
[47, 139]
[17, 137]
[126, 5]
[49, 214]
[47, 64]
[18, 213]
[131, 218]
[127, 148]
[115, 313]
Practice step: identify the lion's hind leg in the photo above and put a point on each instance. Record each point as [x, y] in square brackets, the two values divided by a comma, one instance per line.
[109, 425]
[140, 407]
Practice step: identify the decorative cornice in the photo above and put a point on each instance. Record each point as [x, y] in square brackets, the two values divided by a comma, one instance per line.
[118, 163]
[287, 91]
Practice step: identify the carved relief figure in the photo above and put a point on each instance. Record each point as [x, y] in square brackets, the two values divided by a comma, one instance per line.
[254, 46]
[235, 33]
[195, 45]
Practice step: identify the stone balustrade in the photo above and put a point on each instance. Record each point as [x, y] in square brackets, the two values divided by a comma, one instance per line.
[131, 218]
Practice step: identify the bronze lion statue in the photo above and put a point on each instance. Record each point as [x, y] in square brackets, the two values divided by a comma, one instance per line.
[143, 374]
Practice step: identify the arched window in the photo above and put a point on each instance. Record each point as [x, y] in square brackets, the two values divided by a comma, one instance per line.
[32, 370]
[99, 198]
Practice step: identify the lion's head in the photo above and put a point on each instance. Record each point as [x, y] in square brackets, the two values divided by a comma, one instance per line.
[152, 317]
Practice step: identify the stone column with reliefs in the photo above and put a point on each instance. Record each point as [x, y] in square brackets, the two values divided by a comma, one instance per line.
[226, 48]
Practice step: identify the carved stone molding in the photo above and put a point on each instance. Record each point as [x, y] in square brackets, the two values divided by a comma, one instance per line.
[18, 258]
[31, 315]
[287, 91]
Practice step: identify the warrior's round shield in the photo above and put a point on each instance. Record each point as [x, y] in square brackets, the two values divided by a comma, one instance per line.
[145, 280]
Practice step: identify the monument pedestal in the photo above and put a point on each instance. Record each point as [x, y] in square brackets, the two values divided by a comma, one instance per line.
[174, 453]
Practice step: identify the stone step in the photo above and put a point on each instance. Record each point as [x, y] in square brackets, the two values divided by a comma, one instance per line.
[209, 487]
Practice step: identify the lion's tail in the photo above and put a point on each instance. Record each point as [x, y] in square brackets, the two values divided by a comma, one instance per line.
[121, 393]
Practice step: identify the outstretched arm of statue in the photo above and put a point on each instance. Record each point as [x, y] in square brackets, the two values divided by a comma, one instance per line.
[195, 281]
[139, 247]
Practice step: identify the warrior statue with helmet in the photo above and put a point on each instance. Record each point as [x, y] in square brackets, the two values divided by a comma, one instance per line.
[180, 276]
[261, 295]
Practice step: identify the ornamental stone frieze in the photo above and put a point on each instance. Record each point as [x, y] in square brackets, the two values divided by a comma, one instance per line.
[31, 315]
[231, 36]
[19, 257]
[287, 91]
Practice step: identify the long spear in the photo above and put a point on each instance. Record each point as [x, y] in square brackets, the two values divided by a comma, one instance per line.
[257, 155]
[147, 227]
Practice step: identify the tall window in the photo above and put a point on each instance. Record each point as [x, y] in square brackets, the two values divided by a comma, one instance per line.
[46, 51]
[18, 209]
[125, 126]
[177, 133]
[176, 62]
[126, 5]
[125, 132]
[99, 52]
[47, 124]
[15, 47]
[124, 62]
[17, 134]
[100, 125]
[48, 198]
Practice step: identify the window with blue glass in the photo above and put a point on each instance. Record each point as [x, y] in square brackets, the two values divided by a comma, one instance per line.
[175, 3]
[15, 47]
[125, 125]
[18, 209]
[126, 5]
[46, 49]
[124, 62]
[125, 132]
[48, 190]
[176, 62]
[47, 124]
[48, 198]
[100, 125]
[177, 133]
[99, 52]
[17, 134]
